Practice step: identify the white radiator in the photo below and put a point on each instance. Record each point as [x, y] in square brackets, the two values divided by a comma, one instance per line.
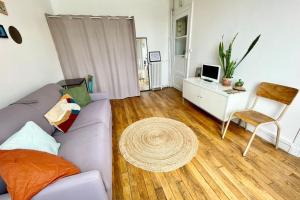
[155, 75]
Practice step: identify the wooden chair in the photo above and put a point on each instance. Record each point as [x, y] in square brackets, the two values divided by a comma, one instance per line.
[278, 93]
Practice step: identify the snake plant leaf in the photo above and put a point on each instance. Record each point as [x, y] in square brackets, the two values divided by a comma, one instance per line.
[230, 69]
[221, 54]
[231, 43]
[249, 49]
[229, 51]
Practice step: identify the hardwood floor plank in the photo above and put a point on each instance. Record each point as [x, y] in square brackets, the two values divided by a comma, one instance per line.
[165, 186]
[228, 190]
[240, 169]
[157, 186]
[217, 172]
[196, 190]
[172, 181]
[149, 186]
[183, 190]
[209, 192]
[133, 181]
[209, 179]
[126, 186]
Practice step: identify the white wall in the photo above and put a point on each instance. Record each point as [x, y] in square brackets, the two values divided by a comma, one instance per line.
[32, 64]
[274, 59]
[151, 19]
[178, 4]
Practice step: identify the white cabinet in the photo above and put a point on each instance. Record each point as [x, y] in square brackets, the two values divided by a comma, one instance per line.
[192, 93]
[212, 98]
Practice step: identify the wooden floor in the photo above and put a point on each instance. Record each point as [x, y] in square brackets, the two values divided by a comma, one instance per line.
[217, 172]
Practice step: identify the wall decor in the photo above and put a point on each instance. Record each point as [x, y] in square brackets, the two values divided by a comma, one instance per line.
[198, 72]
[3, 8]
[3, 32]
[15, 34]
[154, 56]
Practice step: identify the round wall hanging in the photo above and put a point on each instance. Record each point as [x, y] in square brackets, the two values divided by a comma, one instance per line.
[15, 34]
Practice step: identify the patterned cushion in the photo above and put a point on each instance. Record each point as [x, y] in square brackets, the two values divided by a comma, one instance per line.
[64, 113]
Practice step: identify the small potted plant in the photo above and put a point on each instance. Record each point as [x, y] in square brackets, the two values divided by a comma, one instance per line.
[240, 83]
[227, 63]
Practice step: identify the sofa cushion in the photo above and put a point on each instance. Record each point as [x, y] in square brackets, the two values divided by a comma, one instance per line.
[95, 112]
[30, 108]
[14, 117]
[5, 197]
[89, 148]
[46, 97]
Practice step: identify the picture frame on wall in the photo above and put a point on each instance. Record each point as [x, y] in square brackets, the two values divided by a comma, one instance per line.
[154, 56]
[3, 8]
[3, 33]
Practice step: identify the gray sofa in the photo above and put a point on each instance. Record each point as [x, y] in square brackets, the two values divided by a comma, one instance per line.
[88, 144]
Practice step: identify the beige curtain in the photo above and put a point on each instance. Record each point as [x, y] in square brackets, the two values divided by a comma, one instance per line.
[104, 47]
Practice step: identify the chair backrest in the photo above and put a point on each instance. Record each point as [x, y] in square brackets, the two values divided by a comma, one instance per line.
[279, 93]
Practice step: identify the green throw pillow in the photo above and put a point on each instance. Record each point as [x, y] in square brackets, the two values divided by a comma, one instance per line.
[80, 94]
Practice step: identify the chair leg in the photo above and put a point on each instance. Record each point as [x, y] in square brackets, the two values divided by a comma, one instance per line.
[250, 142]
[240, 122]
[223, 127]
[278, 134]
[224, 132]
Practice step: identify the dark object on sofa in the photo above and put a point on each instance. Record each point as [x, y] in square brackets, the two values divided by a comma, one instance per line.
[87, 144]
[68, 83]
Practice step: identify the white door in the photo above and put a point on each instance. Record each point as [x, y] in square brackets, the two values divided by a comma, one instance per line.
[181, 47]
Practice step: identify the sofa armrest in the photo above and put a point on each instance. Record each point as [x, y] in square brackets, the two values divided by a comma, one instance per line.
[99, 96]
[82, 186]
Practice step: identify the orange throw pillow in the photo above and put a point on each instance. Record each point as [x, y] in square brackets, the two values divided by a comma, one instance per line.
[27, 172]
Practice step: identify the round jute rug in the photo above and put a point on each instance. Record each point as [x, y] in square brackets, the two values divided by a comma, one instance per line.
[158, 144]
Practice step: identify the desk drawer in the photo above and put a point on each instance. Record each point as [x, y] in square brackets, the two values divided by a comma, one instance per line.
[191, 92]
[213, 103]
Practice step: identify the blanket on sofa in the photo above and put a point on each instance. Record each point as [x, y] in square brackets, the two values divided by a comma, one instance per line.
[27, 172]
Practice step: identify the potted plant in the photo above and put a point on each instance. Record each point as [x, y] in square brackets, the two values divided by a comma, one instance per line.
[227, 63]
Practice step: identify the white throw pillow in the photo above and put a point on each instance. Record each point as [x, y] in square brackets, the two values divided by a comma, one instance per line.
[31, 136]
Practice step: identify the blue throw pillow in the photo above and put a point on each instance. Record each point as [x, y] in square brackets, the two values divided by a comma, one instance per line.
[31, 136]
[2, 187]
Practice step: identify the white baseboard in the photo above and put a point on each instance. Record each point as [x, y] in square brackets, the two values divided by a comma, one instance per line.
[269, 136]
[284, 144]
[295, 150]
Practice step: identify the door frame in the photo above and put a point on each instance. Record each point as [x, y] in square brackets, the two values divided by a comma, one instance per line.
[184, 11]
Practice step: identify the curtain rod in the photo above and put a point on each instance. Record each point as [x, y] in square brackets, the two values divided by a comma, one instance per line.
[91, 17]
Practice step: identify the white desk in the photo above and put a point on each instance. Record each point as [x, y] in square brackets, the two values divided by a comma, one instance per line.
[212, 98]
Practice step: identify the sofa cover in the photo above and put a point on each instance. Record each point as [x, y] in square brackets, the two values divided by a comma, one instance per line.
[88, 143]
